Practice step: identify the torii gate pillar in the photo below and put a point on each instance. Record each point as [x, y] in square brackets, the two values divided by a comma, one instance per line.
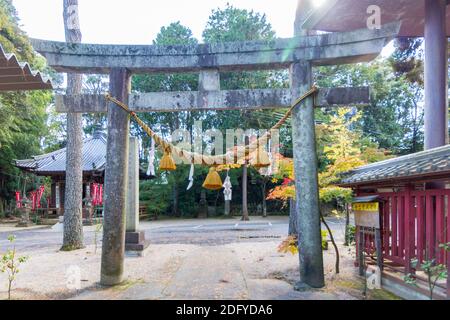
[305, 167]
[116, 172]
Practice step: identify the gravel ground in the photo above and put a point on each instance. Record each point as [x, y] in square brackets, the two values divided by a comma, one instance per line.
[187, 259]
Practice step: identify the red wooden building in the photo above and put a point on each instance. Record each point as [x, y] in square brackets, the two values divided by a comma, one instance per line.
[415, 209]
[54, 165]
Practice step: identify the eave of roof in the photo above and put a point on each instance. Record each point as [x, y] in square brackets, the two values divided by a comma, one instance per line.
[18, 76]
[94, 158]
[425, 165]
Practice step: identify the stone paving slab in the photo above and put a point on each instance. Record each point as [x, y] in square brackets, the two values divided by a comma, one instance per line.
[210, 273]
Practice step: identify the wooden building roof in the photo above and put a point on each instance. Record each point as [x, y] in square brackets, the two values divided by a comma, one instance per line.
[433, 164]
[15, 75]
[54, 163]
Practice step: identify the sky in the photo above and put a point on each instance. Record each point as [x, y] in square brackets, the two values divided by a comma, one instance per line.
[139, 21]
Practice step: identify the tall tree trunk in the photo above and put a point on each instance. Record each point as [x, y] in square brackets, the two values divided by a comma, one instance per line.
[347, 226]
[73, 224]
[244, 193]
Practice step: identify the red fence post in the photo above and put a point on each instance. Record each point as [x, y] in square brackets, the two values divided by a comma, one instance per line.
[401, 226]
[409, 227]
[429, 227]
[394, 241]
[440, 227]
[420, 227]
[386, 225]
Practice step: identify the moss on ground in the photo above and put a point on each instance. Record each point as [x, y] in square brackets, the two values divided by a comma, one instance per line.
[358, 285]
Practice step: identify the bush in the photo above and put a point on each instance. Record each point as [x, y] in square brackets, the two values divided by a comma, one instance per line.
[350, 235]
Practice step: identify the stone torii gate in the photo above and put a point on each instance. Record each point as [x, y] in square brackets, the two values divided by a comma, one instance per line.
[298, 54]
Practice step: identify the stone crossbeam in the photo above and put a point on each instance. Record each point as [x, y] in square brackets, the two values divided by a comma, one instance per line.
[213, 100]
[326, 49]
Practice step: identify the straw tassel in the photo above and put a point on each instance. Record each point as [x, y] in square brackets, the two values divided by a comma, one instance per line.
[260, 159]
[213, 180]
[167, 163]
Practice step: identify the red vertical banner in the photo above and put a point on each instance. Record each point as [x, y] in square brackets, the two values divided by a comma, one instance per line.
[95, 202]
[40, 192]
[100, 195]
[18, 200]
[33, 200]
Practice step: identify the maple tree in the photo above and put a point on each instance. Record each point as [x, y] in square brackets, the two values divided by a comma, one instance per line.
[343, 148]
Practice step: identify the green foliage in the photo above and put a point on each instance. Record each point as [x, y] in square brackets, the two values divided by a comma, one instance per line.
[342, 148]
[23, 115]
[324, 234]
[334, 193]
[167, 194]
[350, 235]
[434, 271]
[393, 120]
[10, 264]
[233, 24]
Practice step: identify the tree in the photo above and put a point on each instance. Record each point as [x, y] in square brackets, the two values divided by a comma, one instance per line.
[167, 122]
[23, 115]
[95, 84]
[73, 220]
[393, 119]
[233, 24]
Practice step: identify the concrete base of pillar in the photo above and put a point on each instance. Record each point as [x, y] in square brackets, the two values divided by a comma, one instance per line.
[135, 241]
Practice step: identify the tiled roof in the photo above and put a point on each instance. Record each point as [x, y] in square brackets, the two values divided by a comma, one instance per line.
[15, 75]
[432, 162]
[94, 158]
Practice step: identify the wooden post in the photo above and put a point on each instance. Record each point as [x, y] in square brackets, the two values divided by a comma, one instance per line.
[245, 216]
[409, 229]
[436, 74]
[116, 172]
[360, 242]
[379, 248]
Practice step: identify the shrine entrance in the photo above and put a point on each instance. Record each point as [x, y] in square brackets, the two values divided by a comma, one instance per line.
[298, 55]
